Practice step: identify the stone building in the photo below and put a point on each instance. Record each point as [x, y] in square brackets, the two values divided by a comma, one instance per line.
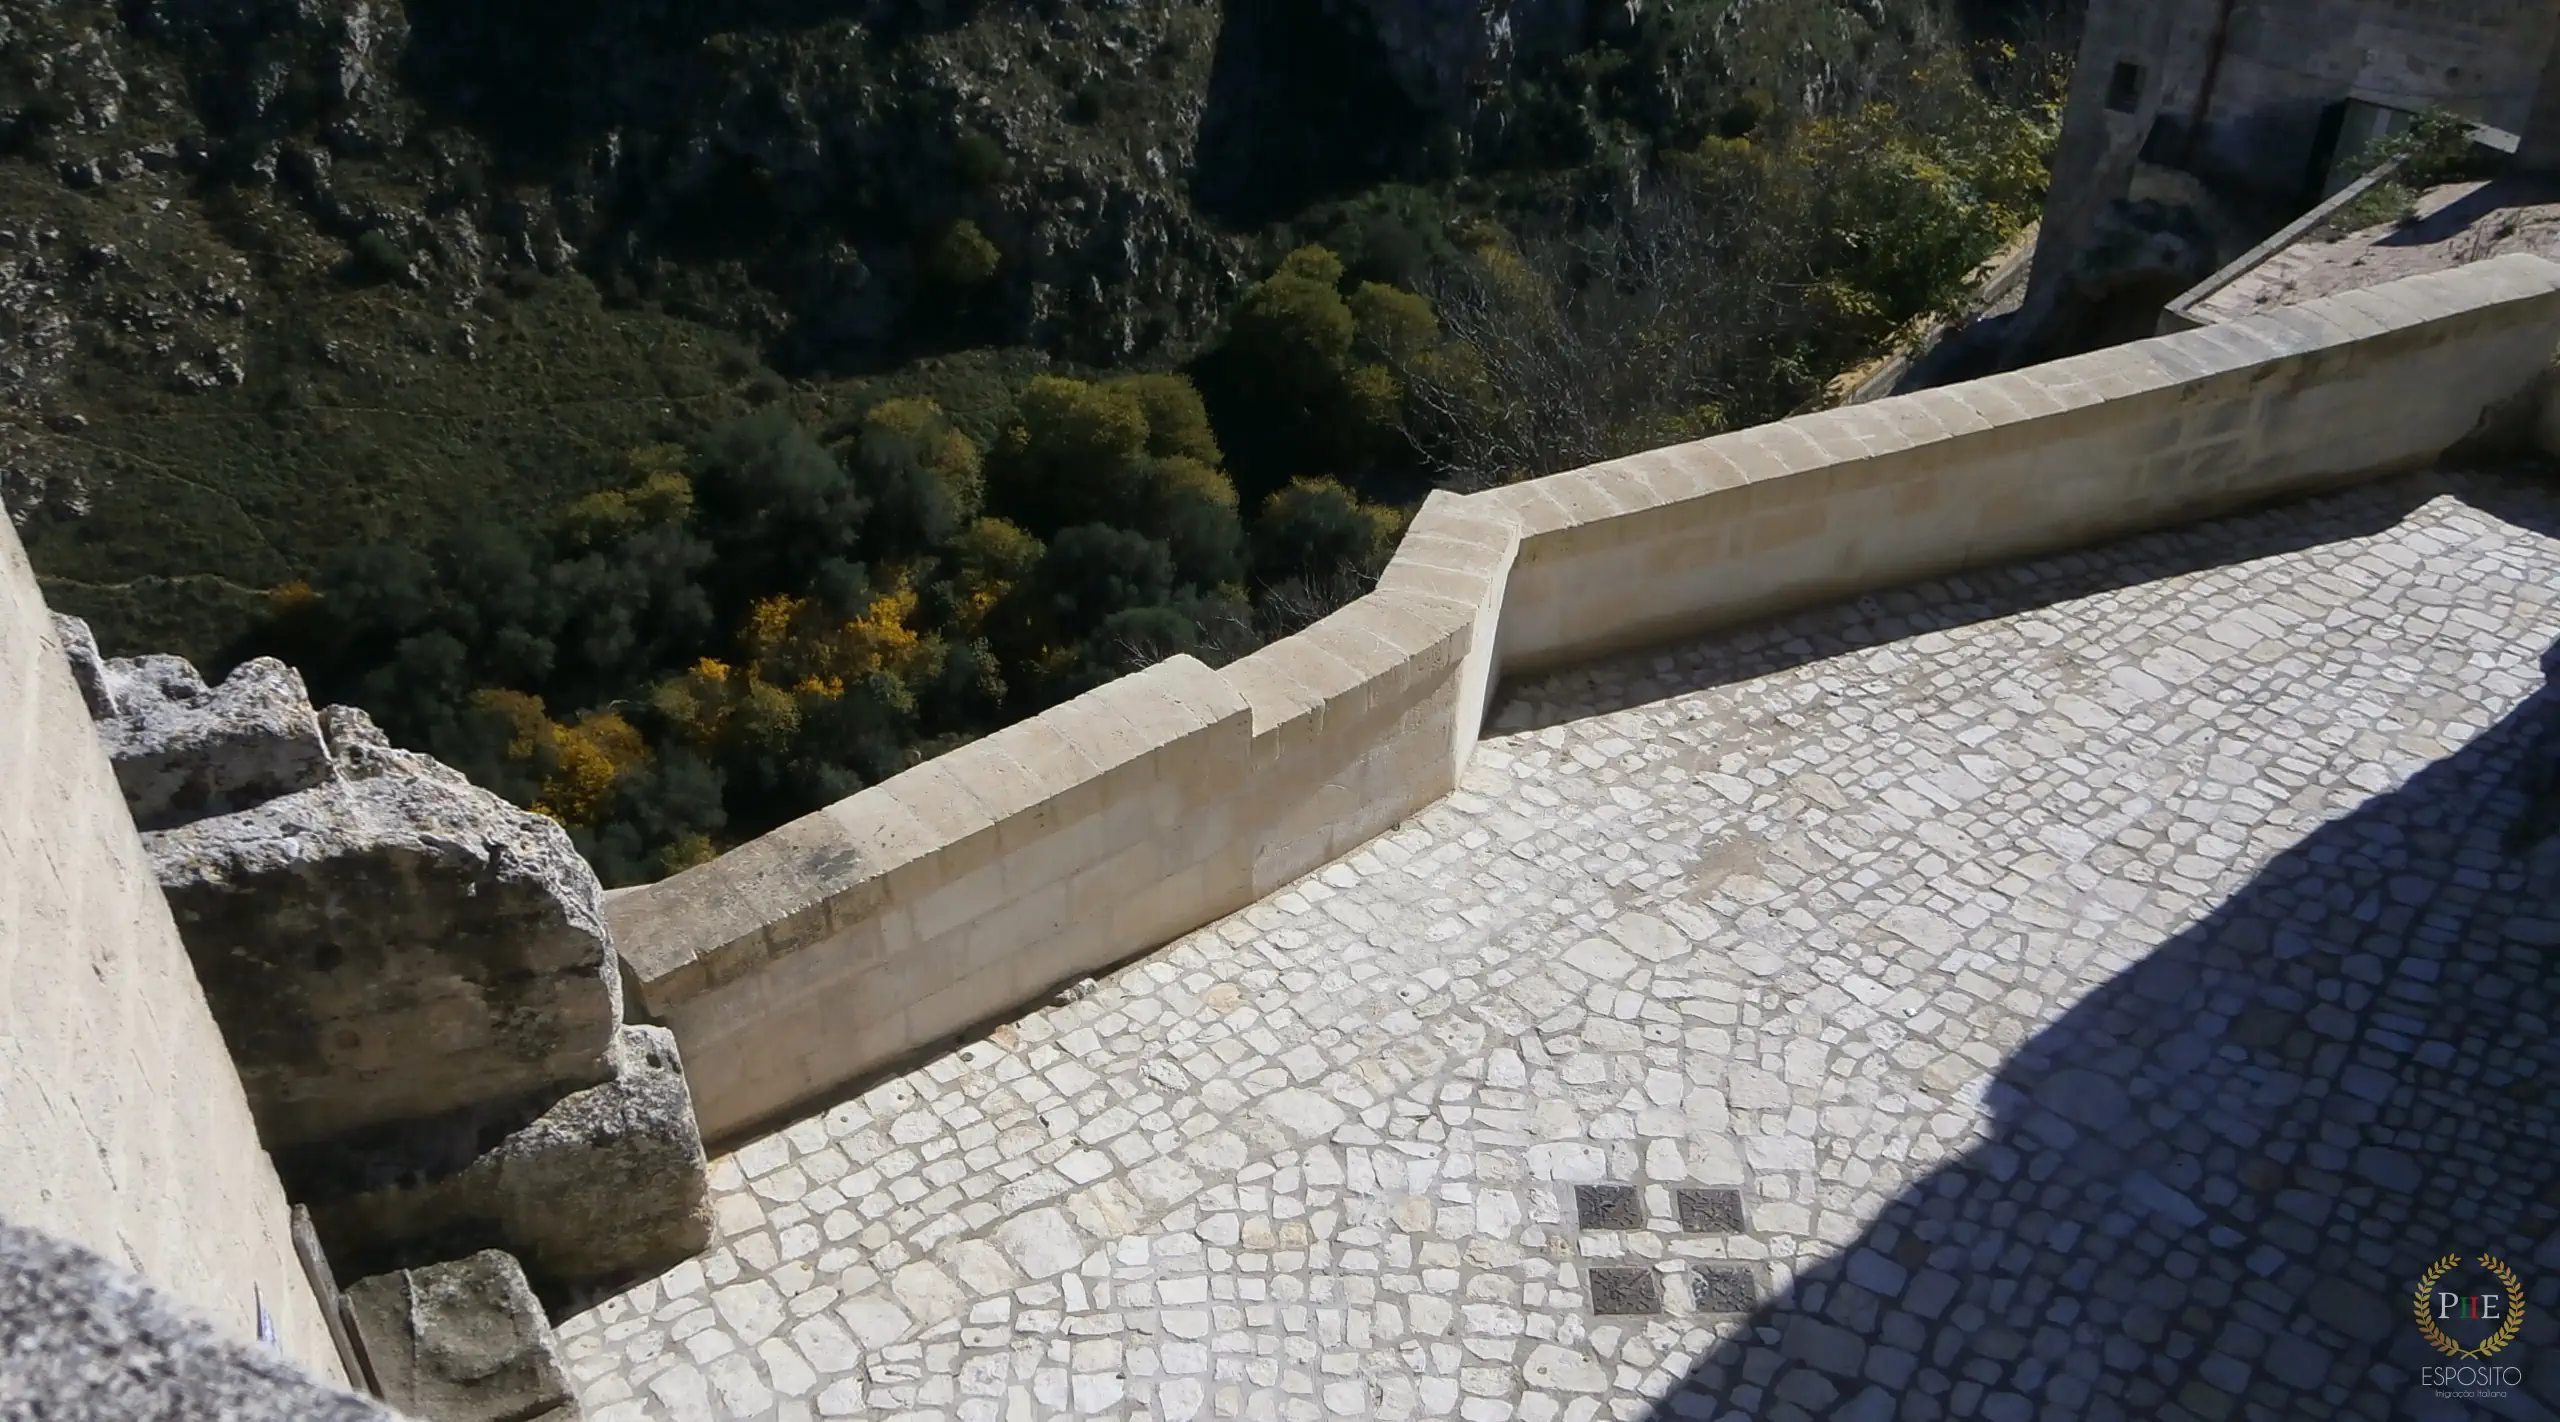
[2195, 127]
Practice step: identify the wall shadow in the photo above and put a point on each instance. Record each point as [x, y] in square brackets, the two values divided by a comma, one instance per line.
[542, 83]
[2466, 213]
[2522, 492]
[1303, 104]
[2208, 1190]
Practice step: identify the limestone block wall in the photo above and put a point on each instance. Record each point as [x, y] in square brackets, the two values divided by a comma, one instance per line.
[123, 1126]
[971, 885]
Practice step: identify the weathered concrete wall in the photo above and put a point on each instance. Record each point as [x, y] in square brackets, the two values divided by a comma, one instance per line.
[2094, 160]
[1059, 846]
[2538, 146]
[123, 1127]
[1098, 830]
[2286, 62]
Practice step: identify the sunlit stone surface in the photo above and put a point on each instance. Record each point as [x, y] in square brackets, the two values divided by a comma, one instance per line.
[2105, 984]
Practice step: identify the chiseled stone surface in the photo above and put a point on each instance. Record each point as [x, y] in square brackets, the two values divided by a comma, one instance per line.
[2106, 982]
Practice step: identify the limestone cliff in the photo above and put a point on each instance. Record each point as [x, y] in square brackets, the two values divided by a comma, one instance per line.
[1446, 52]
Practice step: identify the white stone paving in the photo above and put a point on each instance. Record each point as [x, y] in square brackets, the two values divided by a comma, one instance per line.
[1837, 913]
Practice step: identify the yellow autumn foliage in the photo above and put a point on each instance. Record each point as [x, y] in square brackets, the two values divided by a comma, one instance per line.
[661, 493]
[1179, 474]
[993, 555]
[789, 641]
[696, 703]
[580, 764]
[594, 755]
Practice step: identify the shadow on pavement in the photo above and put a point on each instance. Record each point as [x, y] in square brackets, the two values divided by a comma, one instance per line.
[2209, 1191]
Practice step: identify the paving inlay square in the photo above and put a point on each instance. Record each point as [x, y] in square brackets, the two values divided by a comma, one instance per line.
[1608, 1206]
[1615, 1291]
[1724, 1288]
[1711, 1209]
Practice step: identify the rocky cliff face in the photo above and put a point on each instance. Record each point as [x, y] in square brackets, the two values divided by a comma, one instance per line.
[1445, 52]
[379, 255]
[335, 240]
[279, 277]
[772, 167]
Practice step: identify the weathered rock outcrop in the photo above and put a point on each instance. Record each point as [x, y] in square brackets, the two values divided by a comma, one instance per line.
[462, 1342]
[83, 1341]
[88, 669]
[607, 1184]
[183, 750]
[414, 978]
[392, 947]
[360, 751]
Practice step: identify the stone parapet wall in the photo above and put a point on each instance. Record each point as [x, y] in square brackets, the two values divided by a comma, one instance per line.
[973, 884]
[123, 1125]
[1829, 505]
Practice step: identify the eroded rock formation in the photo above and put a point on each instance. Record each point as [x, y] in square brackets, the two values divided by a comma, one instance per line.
[464, 1341]
[184, 750]
[608, 1183]
[1441, 48]
[413, 976]
[393, 947]
[84, 1341]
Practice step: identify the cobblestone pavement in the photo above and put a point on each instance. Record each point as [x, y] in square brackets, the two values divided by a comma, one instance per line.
[2097, 988]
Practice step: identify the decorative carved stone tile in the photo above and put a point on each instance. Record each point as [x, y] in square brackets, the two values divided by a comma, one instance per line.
[1724, 1288]
[1710, 1210]
[1609, 1206]
[1626, 1291]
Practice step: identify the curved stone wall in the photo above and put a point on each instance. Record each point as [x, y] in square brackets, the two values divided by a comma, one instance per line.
[940, 899]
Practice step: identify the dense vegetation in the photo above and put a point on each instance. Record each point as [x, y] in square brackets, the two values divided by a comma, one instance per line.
[627, 543]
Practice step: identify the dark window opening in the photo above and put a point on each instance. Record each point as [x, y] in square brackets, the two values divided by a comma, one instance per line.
[2124, 87]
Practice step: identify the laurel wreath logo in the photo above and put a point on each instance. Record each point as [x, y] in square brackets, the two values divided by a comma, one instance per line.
[2436, 1336]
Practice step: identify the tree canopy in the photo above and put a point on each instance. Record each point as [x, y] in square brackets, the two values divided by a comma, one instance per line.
[744, 626]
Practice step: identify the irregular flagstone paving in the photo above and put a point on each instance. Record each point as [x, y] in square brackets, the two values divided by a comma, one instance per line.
[2043, 993]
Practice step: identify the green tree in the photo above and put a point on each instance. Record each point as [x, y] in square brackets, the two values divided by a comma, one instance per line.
[1177, 419]
[1316, 528]
[1135, 454]
[1068, 456]
[922, 477]
[1292, 333]
[1302, 377]
[775, 506]
[1092, 571]
[961, 258]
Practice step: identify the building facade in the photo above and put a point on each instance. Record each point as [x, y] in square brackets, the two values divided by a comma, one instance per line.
[2253, 107]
